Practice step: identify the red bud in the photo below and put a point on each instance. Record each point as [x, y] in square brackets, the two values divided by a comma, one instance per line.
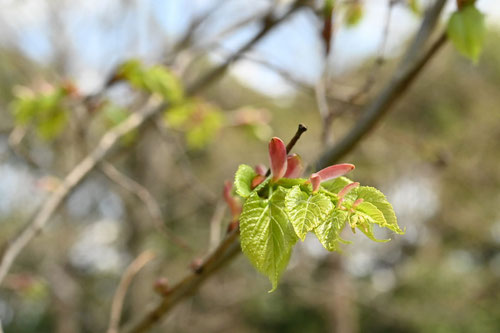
[278, 158]
[294, 166]
[260, 169]
[231, 201]
[334, 171]
[357, 202]
[257, 180]
[315, 181]
[161, 286]
[347, 189]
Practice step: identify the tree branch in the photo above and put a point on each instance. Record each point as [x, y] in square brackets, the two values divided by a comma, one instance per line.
[127, 277]
[229, 247]
[147, 198]
[407, 72]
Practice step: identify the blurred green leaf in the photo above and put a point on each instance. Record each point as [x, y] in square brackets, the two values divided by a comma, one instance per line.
[156, 79]
[415, 7]
[466, 29]
[46, 112]
[354, 13]
[199, 121]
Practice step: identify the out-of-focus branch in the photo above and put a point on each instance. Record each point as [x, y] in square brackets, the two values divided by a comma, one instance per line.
[127, 277]
[268, 24]
[229, 247]
[147, 198]
[108, 141]
[405, 74]
[379, 60]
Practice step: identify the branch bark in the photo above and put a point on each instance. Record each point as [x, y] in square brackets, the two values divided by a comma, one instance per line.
[121, 291]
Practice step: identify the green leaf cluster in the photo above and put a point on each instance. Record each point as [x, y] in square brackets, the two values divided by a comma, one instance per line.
[155, 79]
[353, 14]
[199, 121]
[276, 215]
[466, 29]
[46, 112]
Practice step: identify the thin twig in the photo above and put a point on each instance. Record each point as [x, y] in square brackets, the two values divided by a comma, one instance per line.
[269, 23]
[301, 129]
[186, 169]
[379, 61]
[127, 277]
[215, 225]
[147, 198]
[229, 247]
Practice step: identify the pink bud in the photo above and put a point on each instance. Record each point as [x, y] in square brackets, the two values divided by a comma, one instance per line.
[277, 155]
[315, 180]
[347, 189]
[260, 169]
[231, 201]
[334, 171]
[161, 286]
[357, 203]
[294, 166]
[257, 180]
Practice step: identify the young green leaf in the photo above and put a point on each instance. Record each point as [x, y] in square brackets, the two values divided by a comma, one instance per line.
[328, 232]
[378, 199]
[373, 212]
[354, 14]
[306, 211]
[243, 180]
[466, 29]
[415, 7]
[364, 222]
[266, 236]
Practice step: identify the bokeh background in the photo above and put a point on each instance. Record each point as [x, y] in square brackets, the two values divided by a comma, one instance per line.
[436, 156]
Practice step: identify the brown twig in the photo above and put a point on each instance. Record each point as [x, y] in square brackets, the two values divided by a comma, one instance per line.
[379, 61]
[269, 23]
[229, 247]
[127, 277]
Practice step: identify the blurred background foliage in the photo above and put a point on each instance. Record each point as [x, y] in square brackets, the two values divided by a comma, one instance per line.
[436, 156]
